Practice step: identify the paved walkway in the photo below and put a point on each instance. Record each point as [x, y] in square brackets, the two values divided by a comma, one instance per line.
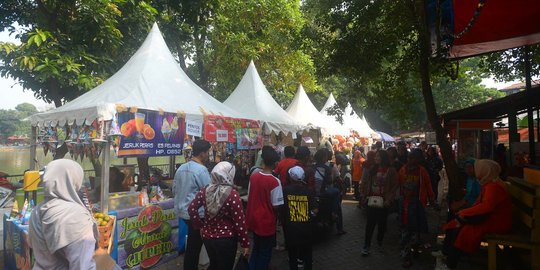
[343, 252]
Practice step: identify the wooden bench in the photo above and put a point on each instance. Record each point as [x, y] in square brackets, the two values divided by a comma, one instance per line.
[526, 223]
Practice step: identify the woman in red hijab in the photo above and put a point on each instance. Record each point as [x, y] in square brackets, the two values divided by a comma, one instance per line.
[491, 213]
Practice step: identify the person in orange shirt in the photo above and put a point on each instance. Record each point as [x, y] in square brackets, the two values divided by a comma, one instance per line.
[357, 170]
[416, 192]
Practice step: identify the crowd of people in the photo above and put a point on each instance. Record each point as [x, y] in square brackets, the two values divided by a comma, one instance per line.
[292, 194]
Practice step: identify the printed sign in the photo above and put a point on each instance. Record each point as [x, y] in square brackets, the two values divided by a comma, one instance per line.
[194, 128]
[307, 139]
[213, 123]
[150, 133]
[147, 237]
[248, 138]
[222, 135]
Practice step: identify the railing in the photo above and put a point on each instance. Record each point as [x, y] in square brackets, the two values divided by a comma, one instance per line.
[87, 173]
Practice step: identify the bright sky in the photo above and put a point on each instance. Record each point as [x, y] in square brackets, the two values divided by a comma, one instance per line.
[12, 93]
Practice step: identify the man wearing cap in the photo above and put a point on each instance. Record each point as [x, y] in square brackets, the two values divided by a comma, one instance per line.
[299, 208]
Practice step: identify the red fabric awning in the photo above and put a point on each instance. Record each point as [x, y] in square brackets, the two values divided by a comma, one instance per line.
[501, 25]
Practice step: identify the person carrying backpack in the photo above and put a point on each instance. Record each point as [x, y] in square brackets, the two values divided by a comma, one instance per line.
[325, 187]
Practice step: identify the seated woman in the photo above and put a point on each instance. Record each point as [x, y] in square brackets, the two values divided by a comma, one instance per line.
[491, 213]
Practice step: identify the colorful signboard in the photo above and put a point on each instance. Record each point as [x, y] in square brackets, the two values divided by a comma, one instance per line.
[219, 128]
[147, 236]
[150, 133]
[248, 138]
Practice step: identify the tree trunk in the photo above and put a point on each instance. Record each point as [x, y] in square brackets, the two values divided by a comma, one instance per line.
[181, 59]
[431, 111]
[199, 36]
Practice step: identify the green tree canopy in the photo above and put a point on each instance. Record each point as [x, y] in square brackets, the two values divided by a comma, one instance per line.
[68, 47]
[372, 48]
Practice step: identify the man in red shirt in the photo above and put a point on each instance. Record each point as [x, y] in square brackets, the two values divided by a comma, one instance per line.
[264, 196]
[284, 165]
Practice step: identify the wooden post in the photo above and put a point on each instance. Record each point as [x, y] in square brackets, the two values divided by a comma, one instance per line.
[33, 145]
[513, 135]
[106, 154]
[492, 255]
[530, 120]
[172, 166]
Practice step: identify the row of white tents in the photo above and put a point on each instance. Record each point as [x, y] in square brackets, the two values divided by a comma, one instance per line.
[153, 80]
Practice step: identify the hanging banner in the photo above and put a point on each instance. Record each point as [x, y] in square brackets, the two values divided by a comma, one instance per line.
[147, 236]
[248, 138]
[194, 128]
[150, 133]
[213, 123]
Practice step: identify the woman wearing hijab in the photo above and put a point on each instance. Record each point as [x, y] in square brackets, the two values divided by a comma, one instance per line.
[491, 213]
[224, 223]
[63, 234]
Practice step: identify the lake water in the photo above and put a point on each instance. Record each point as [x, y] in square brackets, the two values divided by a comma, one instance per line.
[15, 160]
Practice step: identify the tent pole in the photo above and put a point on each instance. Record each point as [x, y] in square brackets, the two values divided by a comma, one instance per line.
[105, 177]
[172, 167]
[33, 145]
[530, 120]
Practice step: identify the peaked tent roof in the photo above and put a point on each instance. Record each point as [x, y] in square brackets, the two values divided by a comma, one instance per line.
[252, 100]
[302, 110]
[355, 122]
[366, 126]
[330, 102]
[151, 79]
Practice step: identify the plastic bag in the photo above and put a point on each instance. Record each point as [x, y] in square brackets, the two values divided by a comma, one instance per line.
[242, 263]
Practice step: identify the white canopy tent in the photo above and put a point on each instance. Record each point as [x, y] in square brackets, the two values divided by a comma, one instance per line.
[338, 128]
[253, 101]
[357, 123]
[151, 79]
[302, 110]
[330, 102]
[354, 122]
[366, 126]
